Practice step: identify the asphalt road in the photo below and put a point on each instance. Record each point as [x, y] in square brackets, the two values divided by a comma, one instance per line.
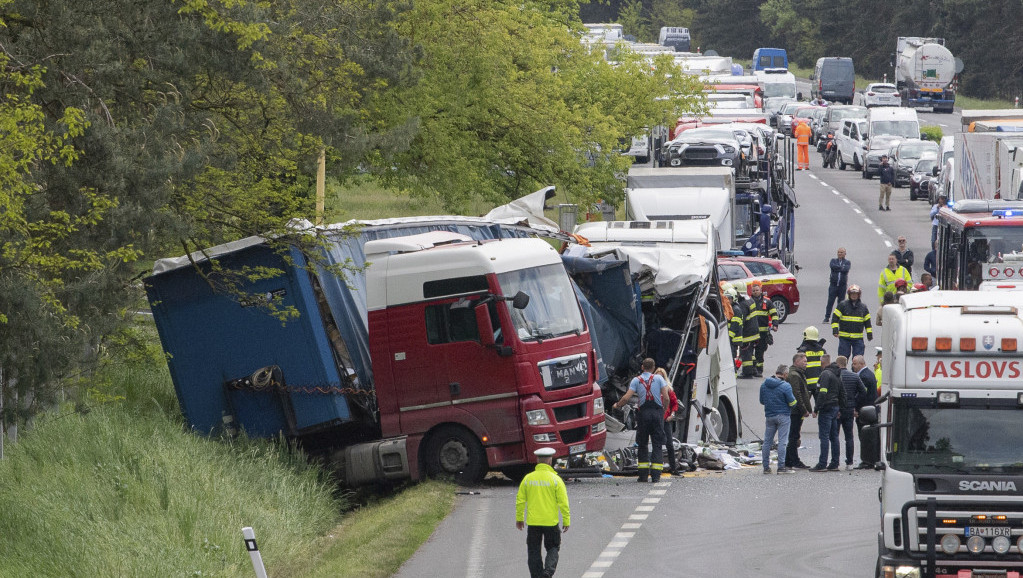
[740, 522]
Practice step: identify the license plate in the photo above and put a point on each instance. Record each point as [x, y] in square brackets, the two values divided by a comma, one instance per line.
[581, 449]
[988, 531]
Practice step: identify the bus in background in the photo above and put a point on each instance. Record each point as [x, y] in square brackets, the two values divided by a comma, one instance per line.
[676, 37]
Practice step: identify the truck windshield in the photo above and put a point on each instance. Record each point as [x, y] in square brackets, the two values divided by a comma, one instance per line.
[552, 310]
[967, 440]
[904, 128]
[989, 245]
[743, 220]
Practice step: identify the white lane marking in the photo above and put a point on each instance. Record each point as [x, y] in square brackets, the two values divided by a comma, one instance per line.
[835, 191]
[621, 539]
[858, 212]
[823, 184]
[887, 243]
[658, 492]
[869, 222]
[845, 200]
[651, 500]
[945, 125]
[879, 231]
[813, 176]
[479, 543]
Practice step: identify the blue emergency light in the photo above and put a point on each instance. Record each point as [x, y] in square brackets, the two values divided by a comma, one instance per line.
[1007, 213]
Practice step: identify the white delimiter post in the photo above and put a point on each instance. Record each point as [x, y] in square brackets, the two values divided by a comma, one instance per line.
[250, 545]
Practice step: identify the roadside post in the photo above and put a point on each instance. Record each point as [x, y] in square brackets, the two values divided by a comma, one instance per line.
[250, 545]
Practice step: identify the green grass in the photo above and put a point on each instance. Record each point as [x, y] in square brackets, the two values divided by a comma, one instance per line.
[115, 485]
[365, 199]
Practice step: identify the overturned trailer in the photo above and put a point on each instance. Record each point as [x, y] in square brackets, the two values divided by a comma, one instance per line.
[652, 291]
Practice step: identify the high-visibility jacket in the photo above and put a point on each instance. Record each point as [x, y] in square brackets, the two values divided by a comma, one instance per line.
[763, 311]
[851, 319]
[886, 283]
[542, 492]
[744, 327]
[802, 134]
[814, 350]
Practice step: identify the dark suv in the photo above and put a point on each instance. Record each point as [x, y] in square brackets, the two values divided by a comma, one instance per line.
[705, 146]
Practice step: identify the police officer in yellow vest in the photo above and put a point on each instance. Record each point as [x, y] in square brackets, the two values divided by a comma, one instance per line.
[541, 496]
[652, 392]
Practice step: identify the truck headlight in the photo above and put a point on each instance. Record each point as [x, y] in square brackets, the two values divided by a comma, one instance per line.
[537, 417]
[598, 427]
[950, 544]
[975, 544]
[542, 438]
[598, 406]
[1000, 545]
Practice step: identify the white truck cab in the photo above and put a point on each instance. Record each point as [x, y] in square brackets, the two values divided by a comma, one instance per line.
[952, 488]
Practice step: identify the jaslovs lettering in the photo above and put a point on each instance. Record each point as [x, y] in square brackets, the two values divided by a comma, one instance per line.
[969, 369]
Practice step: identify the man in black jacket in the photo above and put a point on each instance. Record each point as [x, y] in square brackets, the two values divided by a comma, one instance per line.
[904, 255]
[801, 411]
[829, 398]
[837, 281]
[870, 440]
[887, 178]
[854, 393]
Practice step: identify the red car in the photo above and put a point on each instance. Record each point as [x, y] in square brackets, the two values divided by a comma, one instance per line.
[801, 114]
[779, 283]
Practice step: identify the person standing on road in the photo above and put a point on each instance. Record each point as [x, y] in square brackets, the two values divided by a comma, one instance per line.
[669, 417]
[542, 495]
[889, 275]
[766, 315]
[855, 392]
[931, 260]
[849, 322]
[830, 397]
[836, 283]
[745, 328]
[904, 256]
[887, 178]
[802, 134]
[801, 411]
[652, 393]
[870, 440]
[813, 347]
[777, 399]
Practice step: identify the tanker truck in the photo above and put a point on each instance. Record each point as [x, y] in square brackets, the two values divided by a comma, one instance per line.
[925, 72]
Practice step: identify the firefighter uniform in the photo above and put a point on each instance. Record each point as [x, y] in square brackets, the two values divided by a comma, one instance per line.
[849, 322]
[762, 310]
[813, 347]
[745, 332]
[735, 323]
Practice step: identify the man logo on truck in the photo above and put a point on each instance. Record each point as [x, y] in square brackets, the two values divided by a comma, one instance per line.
[975, 486]
[971, 369]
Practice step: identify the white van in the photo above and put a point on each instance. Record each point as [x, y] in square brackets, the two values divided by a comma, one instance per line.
[853, 140]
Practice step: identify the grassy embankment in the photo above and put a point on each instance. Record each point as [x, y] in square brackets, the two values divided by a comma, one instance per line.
[125, 490]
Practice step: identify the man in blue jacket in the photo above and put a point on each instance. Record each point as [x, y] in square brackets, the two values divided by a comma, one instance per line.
[778, 401]
[837, 282]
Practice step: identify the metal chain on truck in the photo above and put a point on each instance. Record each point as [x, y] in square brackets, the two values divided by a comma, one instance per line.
[269, 379]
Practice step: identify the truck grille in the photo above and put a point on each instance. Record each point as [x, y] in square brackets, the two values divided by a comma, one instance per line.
[569, 412]
[962, 518]
[577, 434]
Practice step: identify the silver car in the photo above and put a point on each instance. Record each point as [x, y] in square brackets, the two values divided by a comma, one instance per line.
[880, 145]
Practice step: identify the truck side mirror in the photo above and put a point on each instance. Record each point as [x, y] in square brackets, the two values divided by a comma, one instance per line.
[868, 415]
[486, 328]
[520, 300]
[934, 172]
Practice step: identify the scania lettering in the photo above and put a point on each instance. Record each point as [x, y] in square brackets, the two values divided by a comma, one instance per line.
[480, 352]
[951, 369]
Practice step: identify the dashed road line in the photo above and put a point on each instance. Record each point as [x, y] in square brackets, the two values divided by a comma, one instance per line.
[813, 176]
[857, 211]
[823, 184]
[621, 539]
[879, 231]
[887, 243]
[869, 222]
[845, 200]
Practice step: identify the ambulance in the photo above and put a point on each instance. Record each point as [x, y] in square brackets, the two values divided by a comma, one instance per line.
[952, 444]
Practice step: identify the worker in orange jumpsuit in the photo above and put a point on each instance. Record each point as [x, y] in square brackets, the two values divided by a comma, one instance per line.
[802, 134]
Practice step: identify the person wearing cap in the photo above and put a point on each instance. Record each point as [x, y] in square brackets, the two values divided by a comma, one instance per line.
[889, 275]
[652, 393]
[904, 255]
[901, 288]
[542, 496]
[887, 178]
[813, 347]
[837, 281]
[849, 322]
[762, 309]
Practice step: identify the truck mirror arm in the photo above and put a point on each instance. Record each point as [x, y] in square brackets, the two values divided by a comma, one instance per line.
[886, 424]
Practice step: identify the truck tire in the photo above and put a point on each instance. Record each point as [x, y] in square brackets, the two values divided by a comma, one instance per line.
[455, 452]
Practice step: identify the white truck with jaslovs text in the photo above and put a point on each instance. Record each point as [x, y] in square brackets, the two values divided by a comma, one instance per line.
[952, 489]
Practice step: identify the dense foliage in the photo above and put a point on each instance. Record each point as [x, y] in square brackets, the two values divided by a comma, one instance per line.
[984, 34]
[136, 130]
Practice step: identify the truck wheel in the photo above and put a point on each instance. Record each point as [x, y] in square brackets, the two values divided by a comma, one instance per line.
[455, 452]
[781, 306]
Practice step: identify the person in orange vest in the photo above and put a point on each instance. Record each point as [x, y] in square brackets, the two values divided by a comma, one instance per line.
[802, 134]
